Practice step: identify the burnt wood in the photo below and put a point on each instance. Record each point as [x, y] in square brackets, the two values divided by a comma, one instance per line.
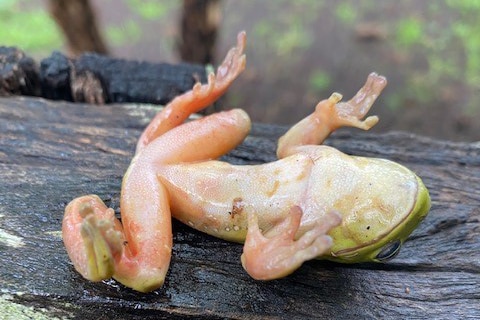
[51, 152]
[18, 73]
[95, 78]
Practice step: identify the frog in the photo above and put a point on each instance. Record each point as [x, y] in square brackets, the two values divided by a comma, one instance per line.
[313, 202]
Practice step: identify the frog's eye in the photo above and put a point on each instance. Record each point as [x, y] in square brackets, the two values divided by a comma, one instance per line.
[389, 251]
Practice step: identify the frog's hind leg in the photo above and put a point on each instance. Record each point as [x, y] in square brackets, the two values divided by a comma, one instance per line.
[206, 138]
[201, 96]
[331, 114]
[277, 253]
[137, 254]
[146, 215]
[92, 237]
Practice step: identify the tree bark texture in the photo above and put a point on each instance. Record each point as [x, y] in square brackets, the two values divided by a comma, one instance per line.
[76, 19]
[52, 152]
[199, 25]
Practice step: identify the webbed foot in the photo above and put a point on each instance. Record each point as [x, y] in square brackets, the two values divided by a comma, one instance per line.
[94, 249]
[351, 113]
[231, 67]
[277, 254]
[331, 114]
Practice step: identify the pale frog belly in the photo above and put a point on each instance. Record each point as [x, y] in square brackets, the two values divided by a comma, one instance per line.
[215, 197]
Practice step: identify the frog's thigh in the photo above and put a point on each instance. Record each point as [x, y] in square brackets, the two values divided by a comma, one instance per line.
[203, 139]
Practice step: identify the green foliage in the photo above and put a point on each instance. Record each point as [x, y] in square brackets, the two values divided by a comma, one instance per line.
[450, 46]
[293, 38]
[118, 35]
[151, 9]
[319, 80]
[31, 30]
[345, 12]
[464, 6]
[409, 31]
[469, 35]
[289, 33]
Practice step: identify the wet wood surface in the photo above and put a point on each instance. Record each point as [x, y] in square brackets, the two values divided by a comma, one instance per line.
[51, 152]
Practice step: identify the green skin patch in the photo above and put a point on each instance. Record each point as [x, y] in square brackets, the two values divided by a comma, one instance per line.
[399, 233]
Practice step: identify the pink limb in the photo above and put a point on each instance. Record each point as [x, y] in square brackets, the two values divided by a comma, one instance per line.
[93, 237]
[277, 254]
[201, 96]
[138, 255]
[204, 139]
[331, 114]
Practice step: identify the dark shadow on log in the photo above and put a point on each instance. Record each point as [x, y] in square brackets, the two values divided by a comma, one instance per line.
[51, 152]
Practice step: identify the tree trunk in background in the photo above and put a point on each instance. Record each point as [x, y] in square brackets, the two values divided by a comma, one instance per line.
[199, 28]
[77, 21]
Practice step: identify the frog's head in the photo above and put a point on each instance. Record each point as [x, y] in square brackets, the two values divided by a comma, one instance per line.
[376, 232]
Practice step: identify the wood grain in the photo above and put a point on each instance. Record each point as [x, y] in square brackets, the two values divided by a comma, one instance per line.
[51, 152]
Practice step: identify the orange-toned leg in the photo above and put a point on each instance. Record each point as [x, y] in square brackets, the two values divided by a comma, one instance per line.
[88, 218]
[137, 255]
[277, 254]
[203, 139]
[201, 96]
[329, 115]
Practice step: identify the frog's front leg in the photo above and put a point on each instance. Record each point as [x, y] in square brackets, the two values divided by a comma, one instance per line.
[330, 114]
[277, 253]
[201, 96]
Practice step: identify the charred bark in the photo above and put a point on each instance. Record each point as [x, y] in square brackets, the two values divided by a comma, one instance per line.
[18, 73]
[95, 78]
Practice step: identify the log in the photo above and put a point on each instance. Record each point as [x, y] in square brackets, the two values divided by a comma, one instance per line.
[18, 73]
[51, 152]
[95, 78]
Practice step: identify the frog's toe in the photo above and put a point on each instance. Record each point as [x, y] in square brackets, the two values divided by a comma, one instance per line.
[234, 62]
[313, 250]
[366, 124]
[102, 243]
[278, 254]
[91, 238]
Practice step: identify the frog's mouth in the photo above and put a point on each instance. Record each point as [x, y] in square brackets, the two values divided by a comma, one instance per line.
[388, 246]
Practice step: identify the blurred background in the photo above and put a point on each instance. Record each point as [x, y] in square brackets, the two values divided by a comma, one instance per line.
[298, 52]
